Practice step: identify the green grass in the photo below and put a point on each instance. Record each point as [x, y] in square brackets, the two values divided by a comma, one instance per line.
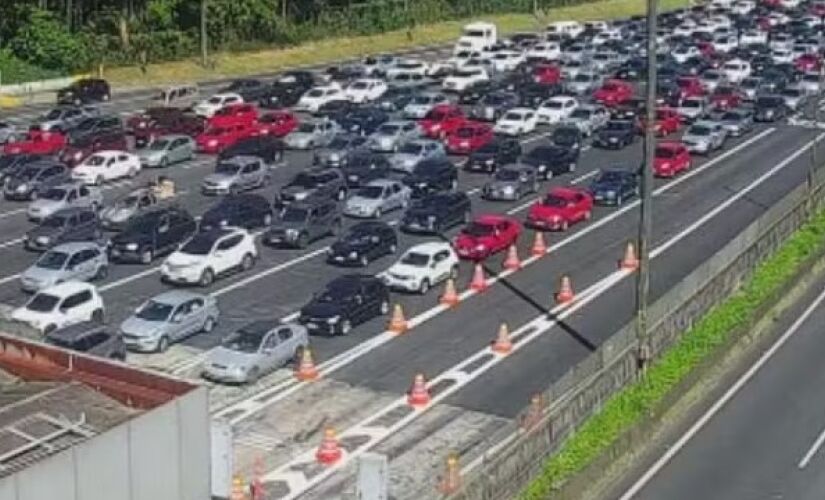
[630, 405]
[245, 63]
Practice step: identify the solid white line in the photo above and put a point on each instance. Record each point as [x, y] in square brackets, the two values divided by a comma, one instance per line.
[9, 278]
[582, 178]
[272, 270]
[12, 212]
[721, 402]
[812, 451]
[11, 242]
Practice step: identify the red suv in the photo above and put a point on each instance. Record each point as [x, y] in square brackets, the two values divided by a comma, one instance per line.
[216, 139]
[547, 74]
[442, 121]
[613, 93]
[667, 122]
[486, 235]
[725, 98]
[277, 124]
[671, 157]
[233, 114]
[78, 151]
[469, 137]
[37, 143]
[560, 207]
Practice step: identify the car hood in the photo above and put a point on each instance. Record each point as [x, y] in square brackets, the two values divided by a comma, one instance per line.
[42, 275]
[404, 160]
[467, 241]
[346, 246]
[295, 191]
[500, 185]
[43, 232]
[36, 319]
[321, 310]
[695, 139]
[42, 206]
[230, 358]
[404, 269]
[218, 179]
[601, 186]
[183, 260]
[540, 210]
[140, 327]
[115, 214]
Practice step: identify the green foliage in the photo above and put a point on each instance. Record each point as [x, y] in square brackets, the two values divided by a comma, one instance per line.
[14, 70]
[630, 405]
[46, 42]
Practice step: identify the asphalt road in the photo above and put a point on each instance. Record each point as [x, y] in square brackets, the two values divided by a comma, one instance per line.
[762, 439]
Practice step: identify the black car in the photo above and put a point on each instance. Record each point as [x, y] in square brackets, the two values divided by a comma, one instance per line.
[769, 109]
[433, 175]
[89, 127]
[496, 153]
[475, 92]
[363, 243]
[616, 134]
[395, 98]
[35, 178]
[70, 224]
[613, 186]
[567, 136]
[362, 121]
[90, 337]
[493, 105]
[551, 160]
[152, 233]
[345, 302]
[632, 70]
[267, 148]
[437, 212]
[363, 167]
[531, 96]
[249, 88]
[338, 152]
[287, 89]
[10, 164]
[84, 91]
[336, 110]
[241, 210]
[328, 183]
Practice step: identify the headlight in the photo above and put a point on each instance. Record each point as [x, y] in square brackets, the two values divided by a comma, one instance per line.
[300, 196]
[333, 320]
[509, 190]
[610, 194]
[78, 155]
[490, 161]
[132, 247]
[22, 188]
[480, 247]
[436, 127]
[353, 255]
[212, 143]
[291, 233]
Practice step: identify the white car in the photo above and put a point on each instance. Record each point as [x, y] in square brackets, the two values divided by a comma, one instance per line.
[711, 79]
[408, 67]
[743, 7]
[686, 29]
[60, 306]
[545, 51]
[781, 41]
[314, 98]
[736, 70]
[723, 44]
[207, 108]
[421, 267]
[210, 254]
[782, 56]
[106, 166]
[685, 52]
[365, 90]
[506, 60]
[517, 121]
[421, 104]
[556, 109]
[459, 59]
[463, 78]
[753, 37]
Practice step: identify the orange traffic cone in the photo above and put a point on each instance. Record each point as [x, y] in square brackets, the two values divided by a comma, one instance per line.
[329, 451]
[533, 414]
[479, 283]
[398, 323]
[450, 297]
[306, 370]
[565, 293]
[502, 344]
[451, 480]
[238, 490]
[539, 247]
[512, 261]
[258, 491]
[630, 261]
[419, 395]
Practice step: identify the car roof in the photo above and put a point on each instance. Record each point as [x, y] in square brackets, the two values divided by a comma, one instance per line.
[174, 297]
[68, 288]
[491, 218]
[430, 247]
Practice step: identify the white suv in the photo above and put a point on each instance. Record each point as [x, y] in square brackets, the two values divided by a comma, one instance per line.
[421, 267]
[210, 254]
[60, 306]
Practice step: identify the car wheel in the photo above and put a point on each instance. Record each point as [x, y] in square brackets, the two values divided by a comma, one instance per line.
[346, 326]
[302, 241]
[247, 262]
[424, 286]
[146, 256]
[208, 325]
[102, 273]
[99, 180]
[207, 277]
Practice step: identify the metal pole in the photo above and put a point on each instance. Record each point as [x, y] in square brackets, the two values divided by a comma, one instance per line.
[645, 212]
[204, 40]
[811, 177]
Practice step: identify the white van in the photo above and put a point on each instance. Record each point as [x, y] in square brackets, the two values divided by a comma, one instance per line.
[568, 29]
[477, 37]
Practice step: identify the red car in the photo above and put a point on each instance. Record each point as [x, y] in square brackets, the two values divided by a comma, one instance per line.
[807, 63]
[613, 93]
[560, 207]
[707, 50]
[146, 119]
[670, 158]
[486, 235]
[277, 124]
[77, 151]
[725, 98]
[442, 121]
[817, 9]
[173, 123]
[37, 143]
[667, 122]
[469, 137]
[216, 139]
[233, 114]
[690, 86]
[547, 74]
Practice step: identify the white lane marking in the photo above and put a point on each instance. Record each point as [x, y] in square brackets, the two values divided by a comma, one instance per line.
[12, 212]
[812, 451]
[9, 278]
[9, 243]
[721, 402]
[582, 178]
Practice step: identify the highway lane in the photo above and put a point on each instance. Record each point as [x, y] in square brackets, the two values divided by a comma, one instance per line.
[762, 437]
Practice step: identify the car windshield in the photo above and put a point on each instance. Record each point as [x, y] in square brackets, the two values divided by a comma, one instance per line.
[227, 168]
[553, 104]
[28, 174]
[339, 143]
[292, 214]
[582, 78]
[53, 114]
[315, 93]
[700, 130]
[465, 73]
[791, 93]
[246, 340]
[769, 102]
[731, 117]
[506, 175]
[665, 153]
[199, 245]
[215, 100]
[513, 116]
[423, 99]
[478, 229]
[811, 78]
[52, 260]
[87, 124]
[619, 125]
[466, 132]
[388, 130]
[610, 176]
[691, 103]
[159, 145]
[304, 180]
[371, 192]
[411, 148]
[95, 161]
[54, 194]
[306, 128]
[552, 200]
[495, 99]
[415, 259]
[127, 202]
[154, 311]
[711, 75]
[42, 302]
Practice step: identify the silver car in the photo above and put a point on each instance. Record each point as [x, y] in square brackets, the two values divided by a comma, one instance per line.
[167, 150]
[169, 317]
[737, 122]
[414, 152]
[79, 261]
[378, 197]
[692, 109]
[8, 132]
[704, 136]
[64, 118]
[588, 119]
[54, 199]
[511, 183]
[312, 134]
[255, 349]
[391, 135]
[421, 104]
[236, 174]
[118, 215]
[584, 83]
[795, 98]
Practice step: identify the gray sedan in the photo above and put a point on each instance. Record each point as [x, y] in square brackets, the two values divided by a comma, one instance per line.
[588, 119]
[704, 136]
[169, 317]
[511, 183]
[378, 197]
[75, 195]
[65, 118]
[80, 261]
[414, 152]
[737, 122]
[254, 350]
[312, 134]
[239, 173]
[167, 150]
[391, 135]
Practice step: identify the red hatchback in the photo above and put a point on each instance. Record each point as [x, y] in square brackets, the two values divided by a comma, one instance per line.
[807, 63]
[77, 151]
[442, 121]
[560, 207]
[670, 158]
[469, 137]
[37, 143]
[216, 139]
[277, 124]
[690, 86]
[151, 116]
[613, 93]
[667, 122]
[486, 235]
[725, 98]
[234, 114]
[547, 74]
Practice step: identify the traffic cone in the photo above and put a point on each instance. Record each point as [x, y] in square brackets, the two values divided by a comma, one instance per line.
[329, 451]
[534, 411]
[630, 262]
[450, 297]
[418, 395]
[306, 370]
[398, 324]
[258, 491]
[503, 344]
[512, 261]
[479, 283]
[539, 247]
[451, 480]
[238, 490]
[565, 293]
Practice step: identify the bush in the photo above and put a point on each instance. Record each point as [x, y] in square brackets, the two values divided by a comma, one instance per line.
[46, 42]
[14, 70]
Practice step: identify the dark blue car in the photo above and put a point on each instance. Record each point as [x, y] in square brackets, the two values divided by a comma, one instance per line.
[614, 186]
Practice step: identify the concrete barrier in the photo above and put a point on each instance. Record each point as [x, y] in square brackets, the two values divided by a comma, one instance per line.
[21, 89]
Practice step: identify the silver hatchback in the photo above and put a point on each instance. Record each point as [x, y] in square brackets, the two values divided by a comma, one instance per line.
[169, 317]
[80, 261]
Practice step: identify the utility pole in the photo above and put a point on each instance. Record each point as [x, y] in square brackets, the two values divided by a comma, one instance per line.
[646, 180]
[204, 40]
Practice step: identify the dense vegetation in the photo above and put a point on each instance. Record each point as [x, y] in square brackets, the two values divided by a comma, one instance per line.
[61, 36]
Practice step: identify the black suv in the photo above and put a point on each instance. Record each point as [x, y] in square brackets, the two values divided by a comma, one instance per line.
[365, 166]
[267, 148]
[496, 153]
[567, 136]
[769, 108]
[322, 182]
[287, 89]
[94, 126]
[363, 243]
[551, 160]
[153, 233]
[346, 301]
[70, 224]
[242, 210]
[35, 178]
[89, 337]
[362, 121]
[613, 186]
[616, 134]
[436, 212]
[433, 175]
[85, 91]
[303, 222]
[250, 89]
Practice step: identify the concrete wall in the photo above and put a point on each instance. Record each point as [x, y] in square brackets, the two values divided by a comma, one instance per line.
[163, 454]
[580, 393]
